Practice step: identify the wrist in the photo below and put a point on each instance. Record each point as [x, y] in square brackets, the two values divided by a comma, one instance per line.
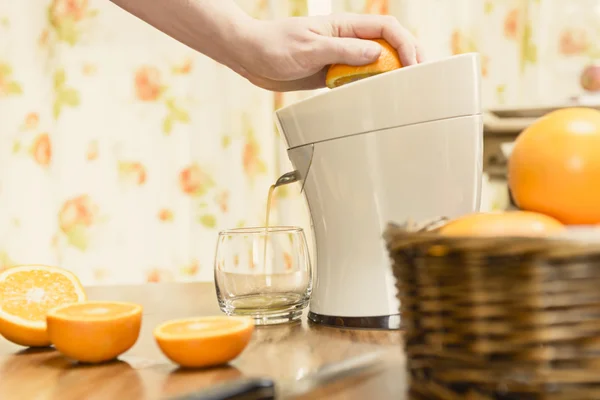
[220, 28]
[215, 28]
[242, 41]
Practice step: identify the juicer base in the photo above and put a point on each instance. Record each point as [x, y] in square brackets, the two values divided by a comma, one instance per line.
[387, 322]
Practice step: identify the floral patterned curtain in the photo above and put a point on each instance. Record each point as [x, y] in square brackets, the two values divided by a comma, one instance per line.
[533, 51]
[123, 152]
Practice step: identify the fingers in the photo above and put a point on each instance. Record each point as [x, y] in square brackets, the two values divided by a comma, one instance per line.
[421, 55]
[350, 51]
[315, 81]
[379, 26]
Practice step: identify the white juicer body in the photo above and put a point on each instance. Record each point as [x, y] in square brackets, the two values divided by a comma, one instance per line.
[403, 145]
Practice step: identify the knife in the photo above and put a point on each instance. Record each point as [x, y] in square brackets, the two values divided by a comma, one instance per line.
[268, 389]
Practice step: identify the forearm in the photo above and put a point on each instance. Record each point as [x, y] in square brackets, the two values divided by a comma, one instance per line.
[214, 28]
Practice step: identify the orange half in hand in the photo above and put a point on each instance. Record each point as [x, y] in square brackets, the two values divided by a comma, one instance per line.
[94, 331]
[204, 341]
[27, 293]
[341, 74]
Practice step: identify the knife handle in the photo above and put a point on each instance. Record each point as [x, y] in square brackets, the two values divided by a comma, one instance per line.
[239, 389]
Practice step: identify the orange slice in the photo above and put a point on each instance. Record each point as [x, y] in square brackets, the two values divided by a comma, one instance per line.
[204, 341]
[94, 331]
[27, 293]
[340, 74]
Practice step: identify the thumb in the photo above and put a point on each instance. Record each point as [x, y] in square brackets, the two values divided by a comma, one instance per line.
[349, 51]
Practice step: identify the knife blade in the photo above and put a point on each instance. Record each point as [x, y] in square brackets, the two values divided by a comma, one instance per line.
[268, 389]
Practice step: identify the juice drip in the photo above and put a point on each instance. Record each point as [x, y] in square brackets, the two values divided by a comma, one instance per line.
[270, 195]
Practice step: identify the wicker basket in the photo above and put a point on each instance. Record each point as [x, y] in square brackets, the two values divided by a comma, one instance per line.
[498, 318]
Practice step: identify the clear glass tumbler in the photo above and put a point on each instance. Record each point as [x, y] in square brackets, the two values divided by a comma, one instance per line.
[263, 273]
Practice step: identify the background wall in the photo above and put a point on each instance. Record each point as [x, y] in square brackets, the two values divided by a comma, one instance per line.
[123, 153]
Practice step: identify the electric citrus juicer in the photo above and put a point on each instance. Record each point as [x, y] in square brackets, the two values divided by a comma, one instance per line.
[403, 145]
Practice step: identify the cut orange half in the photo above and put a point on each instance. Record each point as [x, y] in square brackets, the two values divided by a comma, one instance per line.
[204, 341]
[341, 74]
[27, 293]
[94, 331]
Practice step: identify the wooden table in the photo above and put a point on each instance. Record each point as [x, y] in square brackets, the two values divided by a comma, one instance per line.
[283, 352]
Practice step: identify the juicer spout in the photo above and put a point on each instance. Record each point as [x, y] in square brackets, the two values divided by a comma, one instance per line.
[301, 158]
[290, 177]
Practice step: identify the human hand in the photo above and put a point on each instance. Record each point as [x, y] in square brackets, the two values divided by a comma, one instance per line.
[294, 53]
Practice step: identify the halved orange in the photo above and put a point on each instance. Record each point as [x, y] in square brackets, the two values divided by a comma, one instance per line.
[27, 292]
[341, 74]
[94, 331]
[204, 341]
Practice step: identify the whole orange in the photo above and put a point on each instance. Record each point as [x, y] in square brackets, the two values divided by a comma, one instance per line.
[504, 223]
[554, 167]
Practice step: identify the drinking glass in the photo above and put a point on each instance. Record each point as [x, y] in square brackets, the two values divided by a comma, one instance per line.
[264, 273]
